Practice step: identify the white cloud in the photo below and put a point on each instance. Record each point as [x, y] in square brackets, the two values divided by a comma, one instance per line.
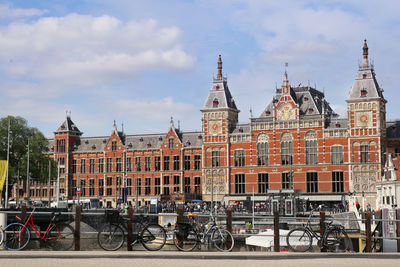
[156, 110]
[7, 11]
[87, 50]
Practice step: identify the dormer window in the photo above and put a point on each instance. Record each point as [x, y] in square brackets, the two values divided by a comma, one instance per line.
[188, 143]
[364, 76]
[306, 99]
[267, 112]
[148, 145]
[337, 125]
[94, 147]
[199, 136]
[114, 146]
[240, 130]
[310, 110]
[141, 139]
[171, 143]
[217, 87]
[363, 92]
[104, 141]
[215, 103]
[130, 145]
[160, 138]
[275, 101]
[86, 141]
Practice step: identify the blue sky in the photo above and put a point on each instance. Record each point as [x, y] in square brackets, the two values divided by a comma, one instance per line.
[141, 62]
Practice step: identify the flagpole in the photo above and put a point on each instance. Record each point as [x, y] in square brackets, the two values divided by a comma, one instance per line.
[8, 159]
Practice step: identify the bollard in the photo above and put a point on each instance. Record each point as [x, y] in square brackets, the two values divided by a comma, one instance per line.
[77, 234]
[276, 231]
[180, 219]
[368, 243]
[398, 228]
[130, 237]
[229, 225]
[322, 228]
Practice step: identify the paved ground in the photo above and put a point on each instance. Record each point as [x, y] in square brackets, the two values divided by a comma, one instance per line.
[192, 259]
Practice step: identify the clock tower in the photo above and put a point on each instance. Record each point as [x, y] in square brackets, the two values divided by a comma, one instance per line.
[219, 117]
[366, 109]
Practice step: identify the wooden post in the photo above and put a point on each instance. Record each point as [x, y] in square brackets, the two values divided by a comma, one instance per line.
[276, 231]
[180, 218]
[368, 243]
[398, 229]
[229, 225]
[77, 234]
[130, 237]
[322, 228]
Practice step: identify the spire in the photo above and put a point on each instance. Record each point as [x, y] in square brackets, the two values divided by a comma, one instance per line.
[115, 126]
[171, 123]
[285, 80]
[365, 54]
[219, 76]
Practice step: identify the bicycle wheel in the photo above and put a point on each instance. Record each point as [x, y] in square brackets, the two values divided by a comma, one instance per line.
[337, 240]
[60, 236]
[111, 237]
[222, 239]
[153, 237]
[185, 237]
[1, 236]
[16, 236]
[299, 240]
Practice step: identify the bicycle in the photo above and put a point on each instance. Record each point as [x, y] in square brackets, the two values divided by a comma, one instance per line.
[1, 235]
[334, 238]
[59, 235]
[188, 235]
[111, 235]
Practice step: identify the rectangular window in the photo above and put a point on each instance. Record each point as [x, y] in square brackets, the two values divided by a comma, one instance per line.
[157, 186]
[83, 165]
[337, 155]
[364, 153]
[197, 185]
[114, 146]
[138, 164]
[74, 165]
[118, 167]
[187, 185]
[73, 187]
[176, 183]
[157, 163]
[61, 146]
[286, 153]
[109, 165]
[147, 186]
[262, 183]
[240, 183]
[287, 180]
[312, 182]
[138, 186]
[166, 163]
[197, 162]
[92, 165]
[337, 182]
[128, 164]
[166, 185]
[176, 163]
[311, 152]
[171, 143]
[147, 164]
[101, 165]
[215, 159]
[262, 154]
[91, 187]
[239, 158]
[101, 187]
[129, 186]
[109, 181]
[83, 186]
[186, 163]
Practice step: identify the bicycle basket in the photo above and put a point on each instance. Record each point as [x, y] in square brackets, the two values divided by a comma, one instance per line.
[112, 216]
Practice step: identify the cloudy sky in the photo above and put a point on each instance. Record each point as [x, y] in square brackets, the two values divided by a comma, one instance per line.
[141, 62]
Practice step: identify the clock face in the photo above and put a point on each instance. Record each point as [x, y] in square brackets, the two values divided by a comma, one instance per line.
[286, 112]
[214, 127]
[363, 119]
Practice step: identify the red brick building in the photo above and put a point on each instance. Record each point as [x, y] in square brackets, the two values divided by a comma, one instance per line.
[297, 146]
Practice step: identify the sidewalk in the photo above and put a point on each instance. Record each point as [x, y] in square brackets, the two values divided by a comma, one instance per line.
[188, 255]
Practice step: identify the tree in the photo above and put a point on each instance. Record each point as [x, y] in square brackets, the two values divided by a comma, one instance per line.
[39, 158]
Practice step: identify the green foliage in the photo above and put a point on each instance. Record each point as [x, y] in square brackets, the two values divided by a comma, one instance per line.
[39, 159]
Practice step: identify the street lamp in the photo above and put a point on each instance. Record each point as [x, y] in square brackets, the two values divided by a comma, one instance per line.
[8, 159]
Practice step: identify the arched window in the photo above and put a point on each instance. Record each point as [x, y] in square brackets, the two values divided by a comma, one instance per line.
[364, 153]
[311, 148]
[262, 150]
[286, 149]
[215, 103]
